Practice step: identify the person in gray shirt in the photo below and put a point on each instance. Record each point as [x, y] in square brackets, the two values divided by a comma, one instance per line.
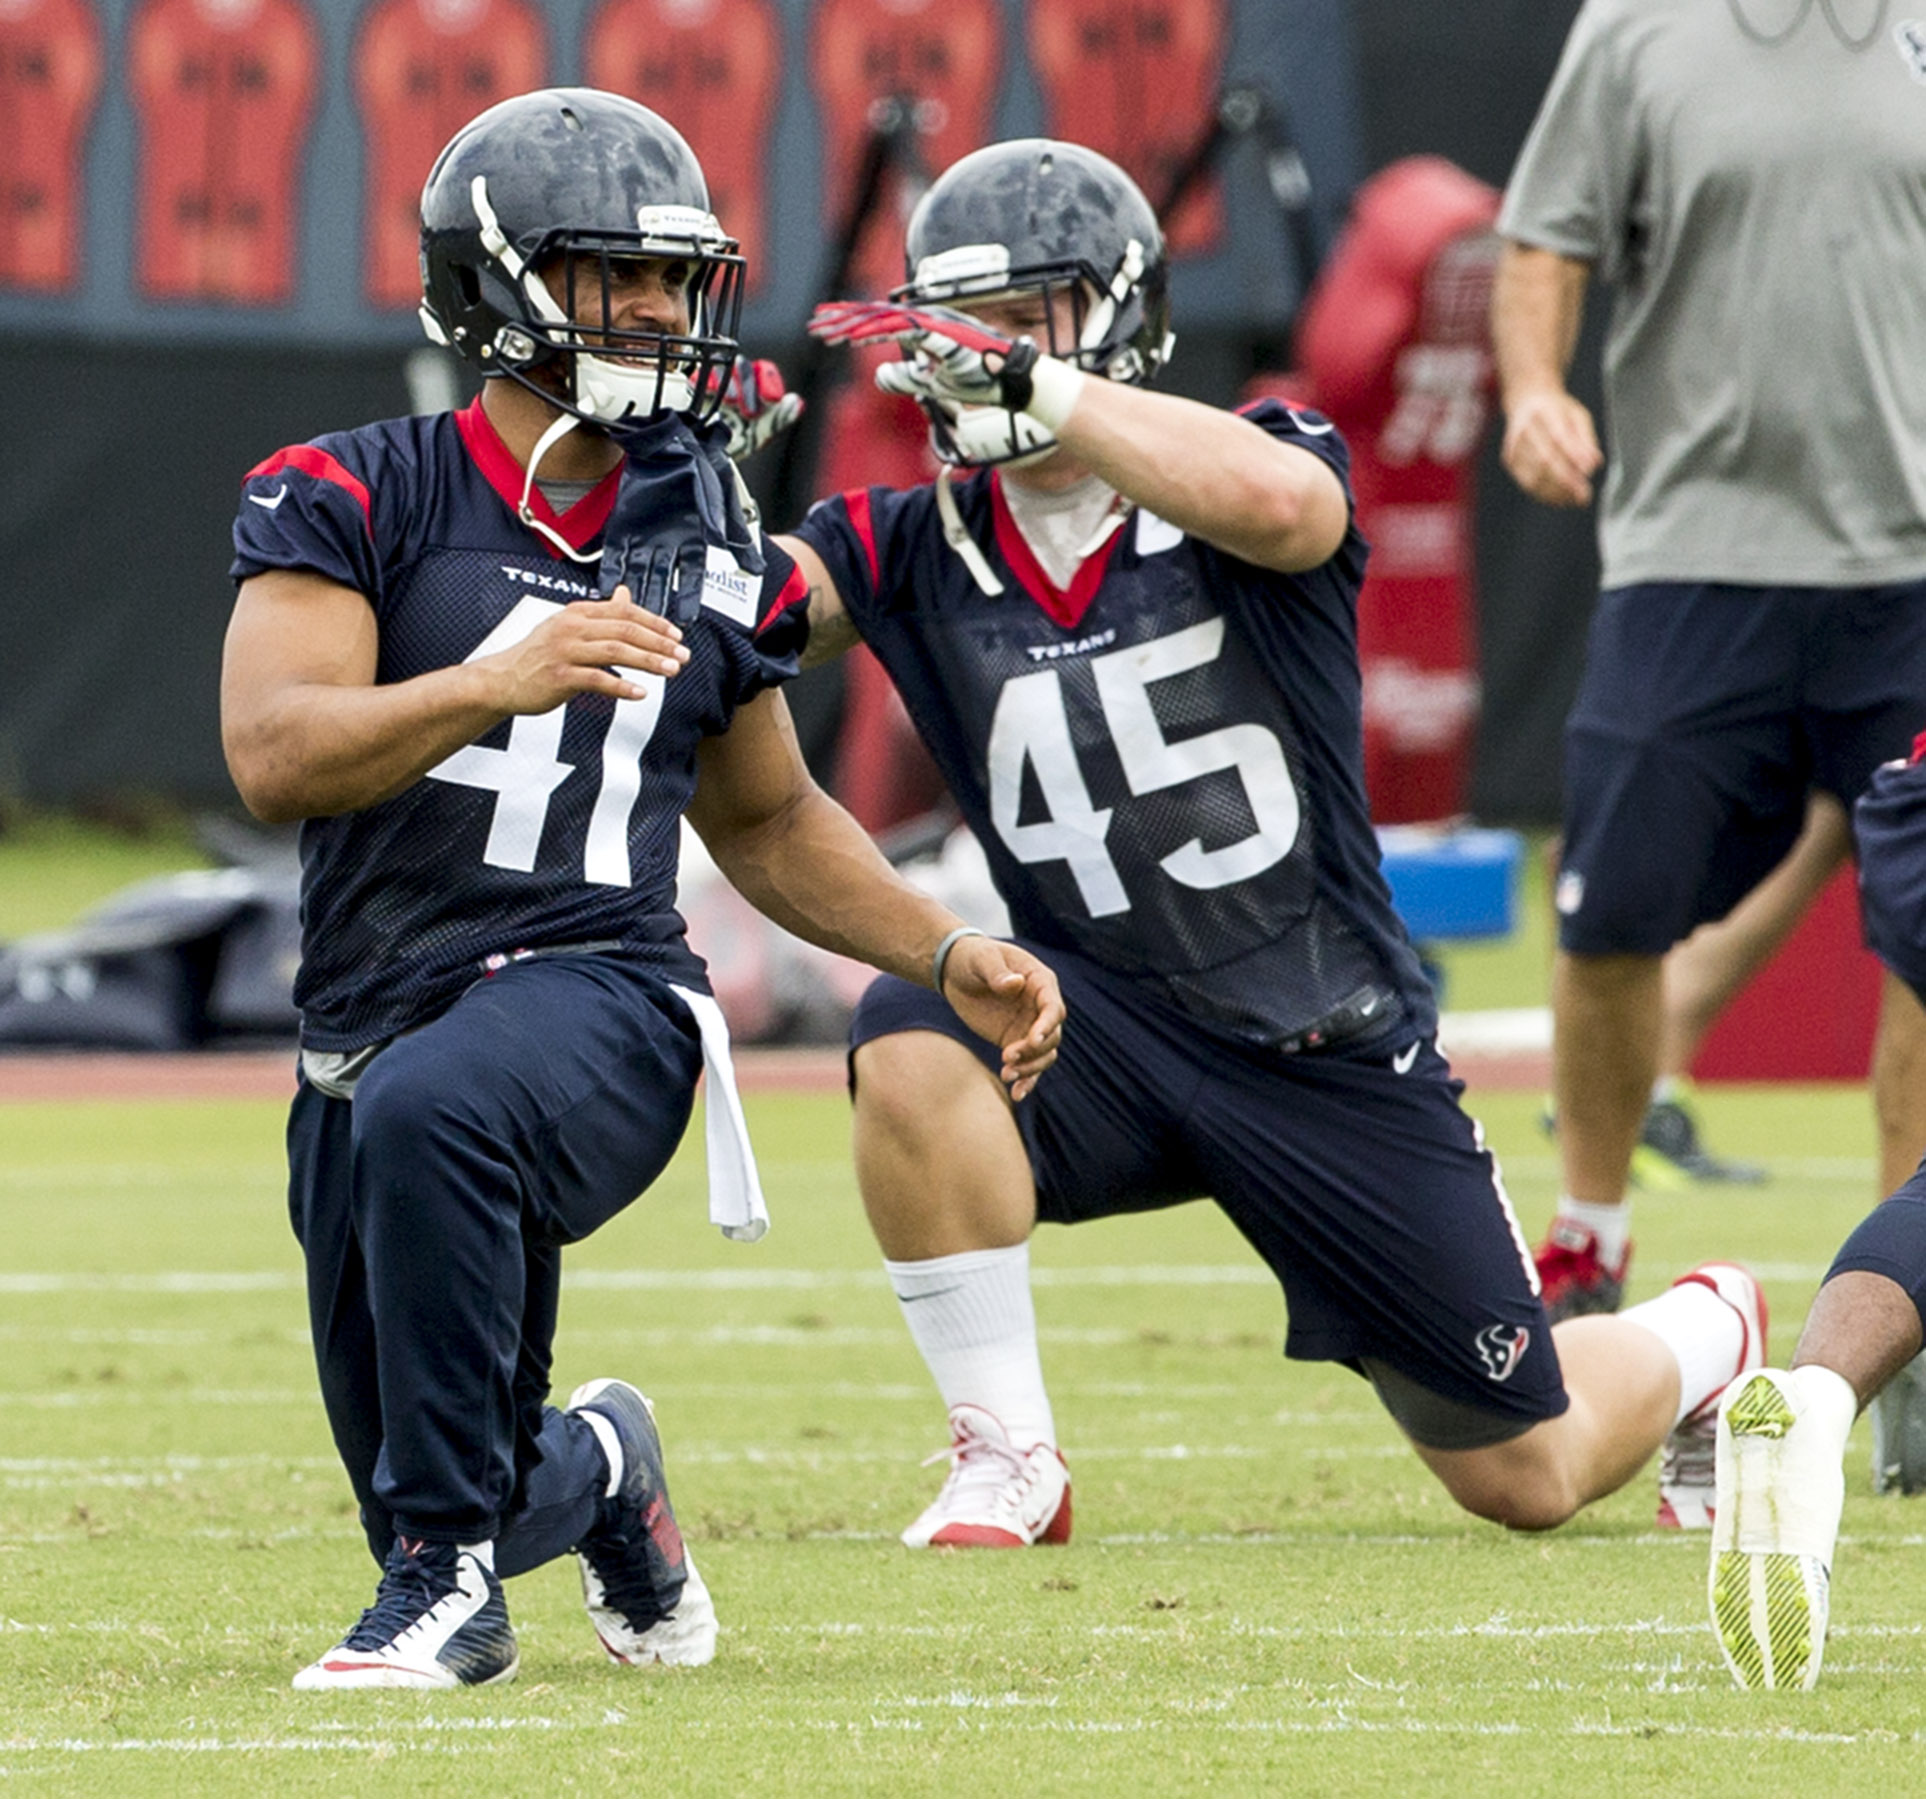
[1750, 176]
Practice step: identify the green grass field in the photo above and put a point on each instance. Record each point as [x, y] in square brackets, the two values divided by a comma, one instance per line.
[1265, 1588]
[1265, 1592]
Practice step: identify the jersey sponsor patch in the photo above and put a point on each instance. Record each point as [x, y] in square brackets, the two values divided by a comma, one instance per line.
[729, 588]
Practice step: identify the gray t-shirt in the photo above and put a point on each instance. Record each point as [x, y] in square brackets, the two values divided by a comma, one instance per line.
[1755, 188]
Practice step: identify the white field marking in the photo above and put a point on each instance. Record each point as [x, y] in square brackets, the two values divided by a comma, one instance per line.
[158, 1396]
[147, 1339]
[172, 1281]
[746, 1280]
[666, 1280]
[792, 1336]
[1232, 1274]
[1829, 1170]
[1495, 1628]
[759, 1455]
[174, 1172]
[918, 1393]
[1342, 1723]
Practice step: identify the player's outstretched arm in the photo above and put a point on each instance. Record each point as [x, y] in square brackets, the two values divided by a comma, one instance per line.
[831, 629]
[308, 732]
[802, 860]
[1210, 473]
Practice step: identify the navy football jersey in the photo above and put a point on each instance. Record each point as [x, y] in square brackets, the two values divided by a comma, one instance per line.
[1164, 763]
[546, 831]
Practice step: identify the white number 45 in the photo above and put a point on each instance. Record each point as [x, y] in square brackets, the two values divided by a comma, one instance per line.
[1031, 725]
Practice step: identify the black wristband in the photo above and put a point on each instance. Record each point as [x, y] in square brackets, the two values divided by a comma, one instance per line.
[1018, 361]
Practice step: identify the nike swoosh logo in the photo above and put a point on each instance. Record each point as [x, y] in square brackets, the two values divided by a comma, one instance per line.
[280, 494]
[1309, 429]
[1401, 1062]
[910, 1299]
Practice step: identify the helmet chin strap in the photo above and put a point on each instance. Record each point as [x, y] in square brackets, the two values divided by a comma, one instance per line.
[564, 423]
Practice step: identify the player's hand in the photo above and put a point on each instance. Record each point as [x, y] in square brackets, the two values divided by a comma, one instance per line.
[1007, 997]
[592, 646]
[1551, 447]
[951, 356]
[756, 406]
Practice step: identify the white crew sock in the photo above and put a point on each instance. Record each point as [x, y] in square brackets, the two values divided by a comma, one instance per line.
[1705, 1335]
[1827, 1401]
[972, 1318]
[1611, 1225]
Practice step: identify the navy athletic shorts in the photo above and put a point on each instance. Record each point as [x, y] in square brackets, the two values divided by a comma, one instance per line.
[1358, 1179]
[1705, 716]
[1889, 825]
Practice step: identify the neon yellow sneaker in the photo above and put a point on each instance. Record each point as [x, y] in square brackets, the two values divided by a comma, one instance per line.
[1775, 1522]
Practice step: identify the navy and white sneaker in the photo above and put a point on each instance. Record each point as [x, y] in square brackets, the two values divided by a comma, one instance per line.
[439, 1620]
[644, 1597]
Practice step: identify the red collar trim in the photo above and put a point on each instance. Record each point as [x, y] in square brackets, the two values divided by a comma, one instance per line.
[579, 526]
[1066, 605]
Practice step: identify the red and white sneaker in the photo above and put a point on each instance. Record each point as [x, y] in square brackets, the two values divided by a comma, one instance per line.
[1573, 1278]
[997, 1496]
[1688, 1466]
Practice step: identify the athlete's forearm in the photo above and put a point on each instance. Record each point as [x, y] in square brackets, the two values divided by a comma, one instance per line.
[814, 870]
[309, 732]
[318, 750]
[1210, 473]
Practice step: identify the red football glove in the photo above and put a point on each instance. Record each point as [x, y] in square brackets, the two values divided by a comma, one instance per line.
[951, 357]
[756, 406]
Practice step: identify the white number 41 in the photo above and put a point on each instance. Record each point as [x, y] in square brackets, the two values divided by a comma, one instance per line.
[524, 776]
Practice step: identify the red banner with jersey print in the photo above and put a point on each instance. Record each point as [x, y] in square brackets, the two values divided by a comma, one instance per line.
[944, 56]
[422, 70]
[713, 68]
[224, 91]
[50, 67]
[1137, 79]
[1395, 345]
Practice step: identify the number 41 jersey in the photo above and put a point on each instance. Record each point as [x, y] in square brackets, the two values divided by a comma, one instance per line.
[1164, 763]
[547, 831]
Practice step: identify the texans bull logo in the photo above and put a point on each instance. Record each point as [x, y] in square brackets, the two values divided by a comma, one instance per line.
[1503, 1347]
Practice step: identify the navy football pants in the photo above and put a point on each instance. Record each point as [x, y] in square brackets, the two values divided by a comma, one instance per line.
[432, 1211]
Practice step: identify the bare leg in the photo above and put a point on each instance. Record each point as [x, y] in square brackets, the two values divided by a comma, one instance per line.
[1605, 1043]
[1863, 1327]
[1705, 972]
[1899, 1084]
[1624, 1388]
[941, 1166]
[948, 1189]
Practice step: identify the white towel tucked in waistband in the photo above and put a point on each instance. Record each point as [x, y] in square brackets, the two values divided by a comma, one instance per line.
[736, 1205]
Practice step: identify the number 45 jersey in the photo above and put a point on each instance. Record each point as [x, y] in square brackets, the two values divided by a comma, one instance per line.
[547, 831]
[1164, 763]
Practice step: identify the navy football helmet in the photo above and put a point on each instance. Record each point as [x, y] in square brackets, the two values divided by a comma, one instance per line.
[1034, 215]
[576, 183]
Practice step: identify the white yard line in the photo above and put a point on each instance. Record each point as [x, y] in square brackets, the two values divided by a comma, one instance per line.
[746, 1280]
